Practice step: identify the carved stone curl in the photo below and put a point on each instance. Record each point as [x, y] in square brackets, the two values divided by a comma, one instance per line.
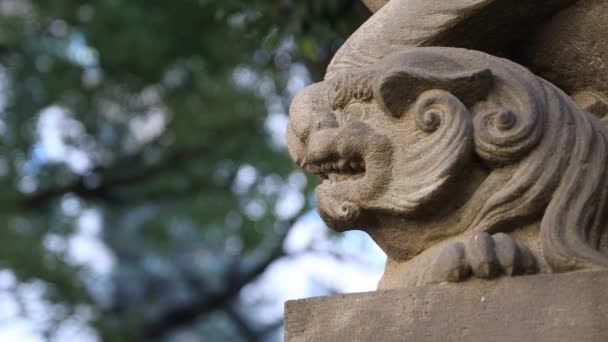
[457, 164]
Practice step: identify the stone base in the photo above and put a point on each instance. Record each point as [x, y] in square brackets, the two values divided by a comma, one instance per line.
[552, 307]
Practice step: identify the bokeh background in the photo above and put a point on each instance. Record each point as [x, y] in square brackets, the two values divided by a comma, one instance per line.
[147, 193]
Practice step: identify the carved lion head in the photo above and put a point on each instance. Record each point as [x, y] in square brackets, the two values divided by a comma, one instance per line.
[432, 143]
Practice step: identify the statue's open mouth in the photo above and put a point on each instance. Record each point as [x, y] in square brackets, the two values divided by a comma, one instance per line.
[343, 180]
[340, 169]
[353, 163]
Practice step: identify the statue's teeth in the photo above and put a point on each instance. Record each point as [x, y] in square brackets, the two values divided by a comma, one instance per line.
[340, 169]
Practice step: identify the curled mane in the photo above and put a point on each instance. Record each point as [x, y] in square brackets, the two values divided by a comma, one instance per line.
[549, 162]
[548, 157]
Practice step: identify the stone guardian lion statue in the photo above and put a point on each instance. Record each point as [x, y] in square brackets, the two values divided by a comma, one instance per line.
[457, 163]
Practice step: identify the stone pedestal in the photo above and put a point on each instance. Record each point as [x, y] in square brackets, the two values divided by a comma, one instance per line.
[551, 307]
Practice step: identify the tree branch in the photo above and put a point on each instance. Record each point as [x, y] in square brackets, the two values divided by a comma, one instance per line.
[103, 191]
[245, 328]
[187, 314]
[249, 333]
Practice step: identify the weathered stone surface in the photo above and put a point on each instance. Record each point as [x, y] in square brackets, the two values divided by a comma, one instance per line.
[493, 26]
[563, 41]
[571, 50]
[434, 146]
[541, 308]
[463, 166]
[460, 164]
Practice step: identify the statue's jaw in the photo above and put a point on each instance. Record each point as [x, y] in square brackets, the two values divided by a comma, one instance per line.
[338, 214]
[354, 164]
[340, 173]
[342, 182]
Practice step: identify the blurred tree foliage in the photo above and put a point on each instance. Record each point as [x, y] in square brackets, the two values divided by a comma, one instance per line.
[153, 128]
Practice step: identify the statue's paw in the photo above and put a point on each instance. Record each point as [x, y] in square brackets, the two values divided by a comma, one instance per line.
[483, 256]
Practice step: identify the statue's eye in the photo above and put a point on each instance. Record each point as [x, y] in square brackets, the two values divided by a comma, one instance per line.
[327, 120]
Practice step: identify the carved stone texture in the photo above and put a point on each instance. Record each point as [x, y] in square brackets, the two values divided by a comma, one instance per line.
[542, 308]
[493, 26]
[457, 164]
[572, 49]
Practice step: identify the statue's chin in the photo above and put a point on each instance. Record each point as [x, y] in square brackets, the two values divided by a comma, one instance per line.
[340, 215]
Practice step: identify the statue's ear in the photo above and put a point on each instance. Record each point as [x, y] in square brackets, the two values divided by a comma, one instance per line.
[398, 88]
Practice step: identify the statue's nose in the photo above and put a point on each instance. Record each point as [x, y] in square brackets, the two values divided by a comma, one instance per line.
[307, 115]
[319, 132]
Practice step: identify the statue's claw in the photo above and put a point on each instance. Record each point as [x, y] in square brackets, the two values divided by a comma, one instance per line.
[483, 256]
